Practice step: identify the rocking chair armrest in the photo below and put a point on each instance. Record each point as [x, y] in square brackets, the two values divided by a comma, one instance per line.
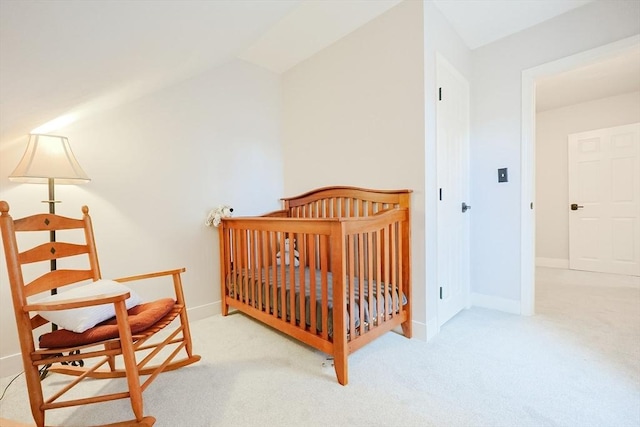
[77, 302]
[151, 275]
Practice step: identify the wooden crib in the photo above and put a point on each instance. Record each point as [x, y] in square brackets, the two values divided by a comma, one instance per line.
[339, 259]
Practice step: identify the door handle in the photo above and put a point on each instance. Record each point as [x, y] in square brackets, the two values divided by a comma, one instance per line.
[575, 206]
[465, 207]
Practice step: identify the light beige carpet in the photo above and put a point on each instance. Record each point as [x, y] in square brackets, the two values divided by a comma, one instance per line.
[575, 363]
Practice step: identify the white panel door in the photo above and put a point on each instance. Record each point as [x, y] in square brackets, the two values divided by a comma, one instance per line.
[604, 198]
[452, 130]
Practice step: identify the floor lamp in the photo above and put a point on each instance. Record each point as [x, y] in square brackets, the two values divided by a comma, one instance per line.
[49, 159]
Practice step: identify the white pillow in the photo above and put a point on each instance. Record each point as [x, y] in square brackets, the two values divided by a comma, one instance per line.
[80, 319]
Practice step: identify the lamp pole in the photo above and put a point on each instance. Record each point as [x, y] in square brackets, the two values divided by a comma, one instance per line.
[47, 158]
[52, 234]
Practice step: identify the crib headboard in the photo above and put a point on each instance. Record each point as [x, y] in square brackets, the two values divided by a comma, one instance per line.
[343, 201]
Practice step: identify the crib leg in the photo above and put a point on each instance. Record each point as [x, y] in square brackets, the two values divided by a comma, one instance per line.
[340, 365]
[406, 328]
[224, 306]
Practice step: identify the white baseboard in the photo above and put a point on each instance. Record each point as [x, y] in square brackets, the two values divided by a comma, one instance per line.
[495, 303]
[12, 364]
[432, 329]
[419, 330]
[203, 311]
[552, 262]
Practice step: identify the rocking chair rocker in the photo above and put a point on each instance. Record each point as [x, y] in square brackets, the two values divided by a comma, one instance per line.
[124, 330]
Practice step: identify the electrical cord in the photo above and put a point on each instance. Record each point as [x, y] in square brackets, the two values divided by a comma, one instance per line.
[15, 378]
[10, 382]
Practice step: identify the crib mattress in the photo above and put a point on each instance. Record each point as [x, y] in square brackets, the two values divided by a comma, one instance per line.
[267, 283]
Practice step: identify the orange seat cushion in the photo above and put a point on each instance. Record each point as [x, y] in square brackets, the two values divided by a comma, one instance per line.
[141, 317]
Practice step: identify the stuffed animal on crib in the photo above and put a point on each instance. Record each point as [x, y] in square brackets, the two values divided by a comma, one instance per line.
[215, 215]
[287, 248]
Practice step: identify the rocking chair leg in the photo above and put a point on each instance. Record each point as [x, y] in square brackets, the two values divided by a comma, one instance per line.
[186, 333]
[36, 399]
[184, 320]
[130, 365]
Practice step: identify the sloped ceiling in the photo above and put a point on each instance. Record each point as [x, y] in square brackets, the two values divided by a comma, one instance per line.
[65, 59]
[309, 28]
[480, 22]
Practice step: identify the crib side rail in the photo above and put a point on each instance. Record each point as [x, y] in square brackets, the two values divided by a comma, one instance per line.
[259, 278]
[367, 258]
[377, 275]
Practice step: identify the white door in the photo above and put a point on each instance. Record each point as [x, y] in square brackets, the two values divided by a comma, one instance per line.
[604, 200]
[452, 129]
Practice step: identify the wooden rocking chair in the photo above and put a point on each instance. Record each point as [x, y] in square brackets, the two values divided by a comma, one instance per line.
[128, 333]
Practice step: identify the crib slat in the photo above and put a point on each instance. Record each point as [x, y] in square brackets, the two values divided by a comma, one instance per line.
[370, 278]
[253, 277]
[400, 270]
[264, 277]
[245, 265]
[255, 263]
[394, 270]
[241, 263]
[324, 265]
[388, 278]
[361, 278]
[352, 290]
[237, 263]
[292, 281]
[273, 289]
[260, 269]
[282, 281]
[249, 267]
[379, 275]
[302, 298]
[312, 285]
[384, 279]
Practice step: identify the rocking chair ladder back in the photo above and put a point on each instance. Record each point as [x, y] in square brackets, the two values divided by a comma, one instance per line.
[125, 345]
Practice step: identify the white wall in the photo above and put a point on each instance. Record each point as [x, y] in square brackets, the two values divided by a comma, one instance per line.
[496, 133]
[552, 128]
[362, 112]
[158, 165]
[353, 114]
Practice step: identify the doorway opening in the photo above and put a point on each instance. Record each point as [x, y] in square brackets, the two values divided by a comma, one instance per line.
[528, 188]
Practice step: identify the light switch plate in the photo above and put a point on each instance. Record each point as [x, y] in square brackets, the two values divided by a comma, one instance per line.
[502, 175]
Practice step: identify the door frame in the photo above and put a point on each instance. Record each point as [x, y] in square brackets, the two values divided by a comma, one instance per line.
[527, 158]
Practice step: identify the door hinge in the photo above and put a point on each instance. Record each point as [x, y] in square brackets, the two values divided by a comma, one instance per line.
[439, 94]
[440, 292]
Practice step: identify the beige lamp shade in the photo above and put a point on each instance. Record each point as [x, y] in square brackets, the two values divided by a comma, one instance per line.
[49, 156]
